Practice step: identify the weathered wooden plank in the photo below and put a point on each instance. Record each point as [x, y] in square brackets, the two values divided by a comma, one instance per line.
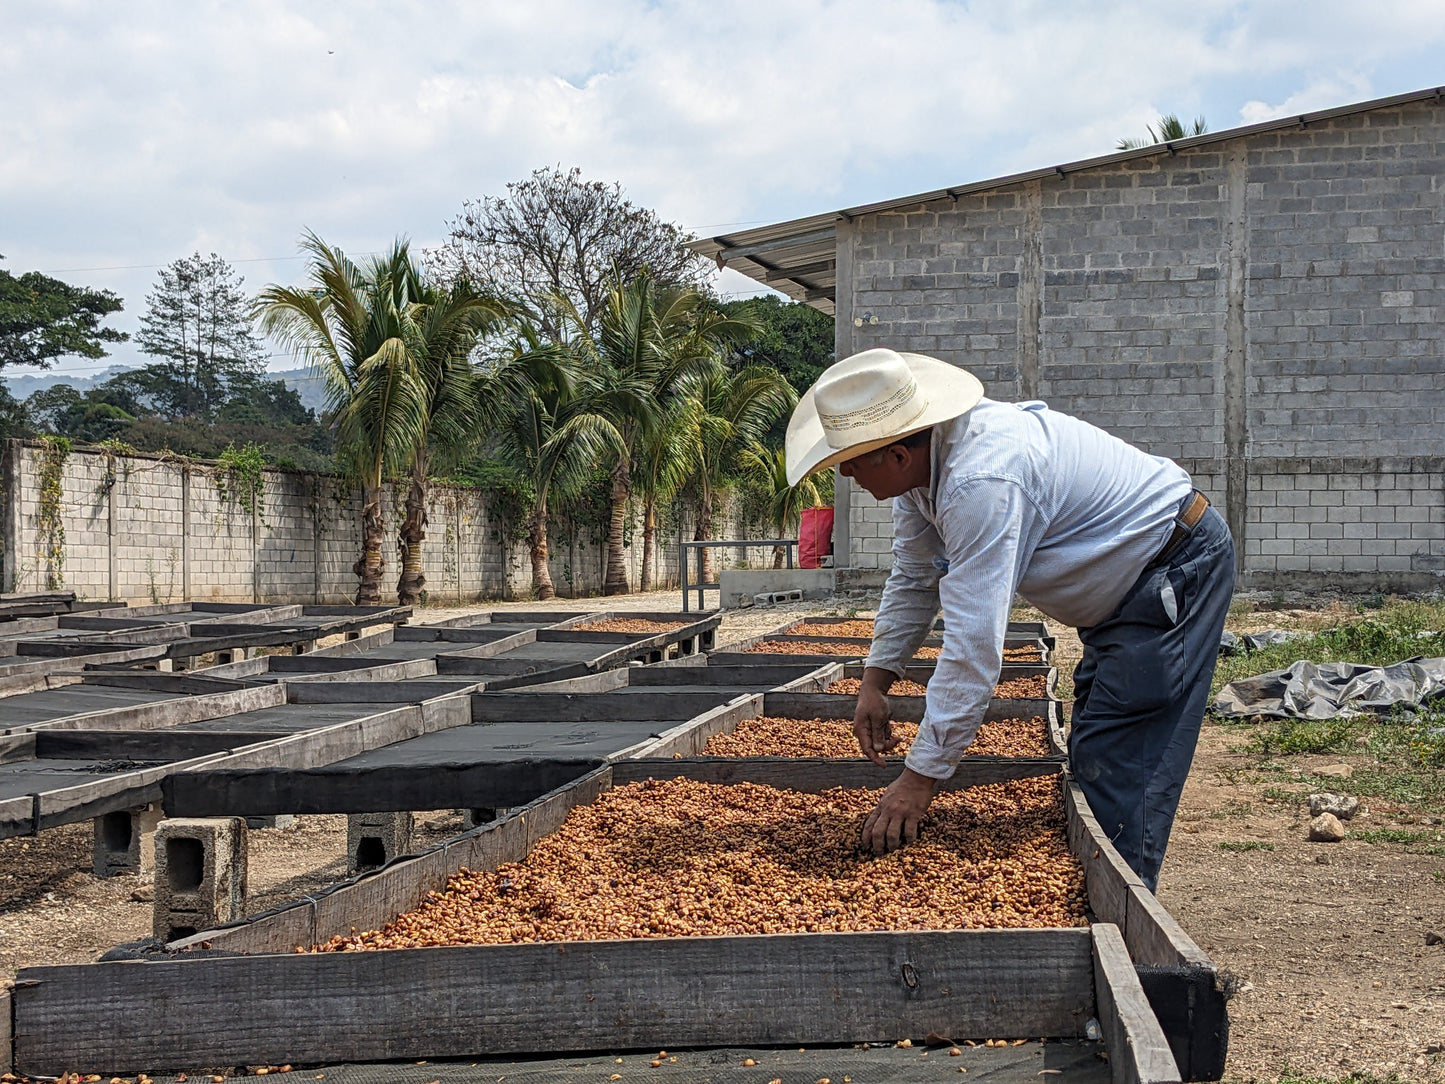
[639, 704]
[308, 668]
[7, 1034]
[602, 681]
[175, 712]
[16, 684]
[908, 709]
[1106, 876]
[380, 692]
[372, 900]
[813, 775]
[674, 674]
[17, 816]
[156, 681]
[486, 650]
[1156, 936]
[333, 788]
[362, 644]
[1185, 990]
[1138, 1051]
[170, 745]
[705, 991]
[690, 738]
[922, 672]
[15, 747]
[477, 635]
[124, 790]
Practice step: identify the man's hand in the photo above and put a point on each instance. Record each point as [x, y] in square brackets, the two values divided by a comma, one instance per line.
[895, 820]
[871, 725]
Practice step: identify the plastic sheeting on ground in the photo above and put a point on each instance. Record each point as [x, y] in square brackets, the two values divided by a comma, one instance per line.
[1232, 644]
[1330, 690]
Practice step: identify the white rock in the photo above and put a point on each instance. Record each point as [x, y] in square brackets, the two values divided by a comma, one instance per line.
[1342, 806]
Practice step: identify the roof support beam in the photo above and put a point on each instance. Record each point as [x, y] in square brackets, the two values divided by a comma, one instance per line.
[796, 240]
[806, 269]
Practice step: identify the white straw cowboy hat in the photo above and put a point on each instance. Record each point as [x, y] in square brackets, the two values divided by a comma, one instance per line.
[871, 400]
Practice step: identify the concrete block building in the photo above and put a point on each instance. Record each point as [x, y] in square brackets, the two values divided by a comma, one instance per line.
[1261, 304]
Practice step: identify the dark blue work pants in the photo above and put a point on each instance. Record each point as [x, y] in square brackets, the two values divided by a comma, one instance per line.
[1141, 689]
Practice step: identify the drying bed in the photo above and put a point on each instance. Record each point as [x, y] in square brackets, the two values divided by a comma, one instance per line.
[1042, 726]
[683, 858]
[775, 736]
[271, 1004]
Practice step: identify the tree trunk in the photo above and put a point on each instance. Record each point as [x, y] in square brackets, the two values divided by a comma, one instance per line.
[778, 552]
[369, 565]
[615, 581]
[703, 533]
[537, 547]
[649, 535]
[411, 583]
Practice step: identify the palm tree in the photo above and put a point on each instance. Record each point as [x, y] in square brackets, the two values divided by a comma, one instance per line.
[736, 408]
[445, 326]
[664, 462]
[768, 469]
[353, 326]
[649, 340]
[1170, 129]
[546, 430]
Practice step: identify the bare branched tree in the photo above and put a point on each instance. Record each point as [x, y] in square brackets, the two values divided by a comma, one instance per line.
[555, 234]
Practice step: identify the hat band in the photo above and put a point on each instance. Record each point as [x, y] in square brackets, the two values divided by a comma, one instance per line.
[877, 412]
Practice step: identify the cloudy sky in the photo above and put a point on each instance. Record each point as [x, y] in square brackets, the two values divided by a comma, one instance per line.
[132, 134]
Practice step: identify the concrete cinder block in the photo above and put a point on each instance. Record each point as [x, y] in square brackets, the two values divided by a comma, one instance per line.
[200, 878]
[278, 820]
[374, 839]
[737, 587]
[125, 841]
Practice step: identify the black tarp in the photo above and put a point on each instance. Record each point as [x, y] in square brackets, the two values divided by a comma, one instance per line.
[1330, 690]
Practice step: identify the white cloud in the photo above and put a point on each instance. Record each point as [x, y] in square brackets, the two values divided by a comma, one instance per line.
[142, 133]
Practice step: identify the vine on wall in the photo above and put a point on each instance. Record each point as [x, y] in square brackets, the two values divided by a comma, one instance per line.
[51, 457]
[238, 478]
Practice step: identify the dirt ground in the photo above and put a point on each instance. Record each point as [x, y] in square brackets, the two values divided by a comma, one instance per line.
[1327, 942]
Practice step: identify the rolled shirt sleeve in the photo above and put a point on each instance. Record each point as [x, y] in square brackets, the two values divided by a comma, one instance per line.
[910, 597]
[991, 528]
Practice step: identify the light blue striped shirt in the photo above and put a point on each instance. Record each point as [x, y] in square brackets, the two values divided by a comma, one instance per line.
[1021, 499]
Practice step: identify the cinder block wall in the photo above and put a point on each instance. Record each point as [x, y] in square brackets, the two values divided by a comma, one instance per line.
[1266, 310]
[143, 529]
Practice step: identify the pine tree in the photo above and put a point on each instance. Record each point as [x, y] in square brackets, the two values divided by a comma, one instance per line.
[197, 321]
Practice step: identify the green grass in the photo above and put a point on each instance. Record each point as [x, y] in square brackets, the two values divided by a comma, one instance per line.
[1244, 845]
[1396, 835]
[1289, 1076]
[1233, 809]
[1396, 630]
[1403, 753]
[1284, 797]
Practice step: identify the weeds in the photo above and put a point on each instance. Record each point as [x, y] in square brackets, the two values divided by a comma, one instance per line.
[1397, 630]
[1395, 835]
[1284, 797]
[1233, 809]
[1244, 845]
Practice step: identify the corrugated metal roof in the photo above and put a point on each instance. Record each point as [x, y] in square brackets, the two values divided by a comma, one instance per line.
[797, 257]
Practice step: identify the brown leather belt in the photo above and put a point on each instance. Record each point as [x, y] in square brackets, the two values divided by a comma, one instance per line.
[1193, 511]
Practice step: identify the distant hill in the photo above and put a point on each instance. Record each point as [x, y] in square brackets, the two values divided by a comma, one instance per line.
[300, 381]
[310, 389]
[23, 386]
